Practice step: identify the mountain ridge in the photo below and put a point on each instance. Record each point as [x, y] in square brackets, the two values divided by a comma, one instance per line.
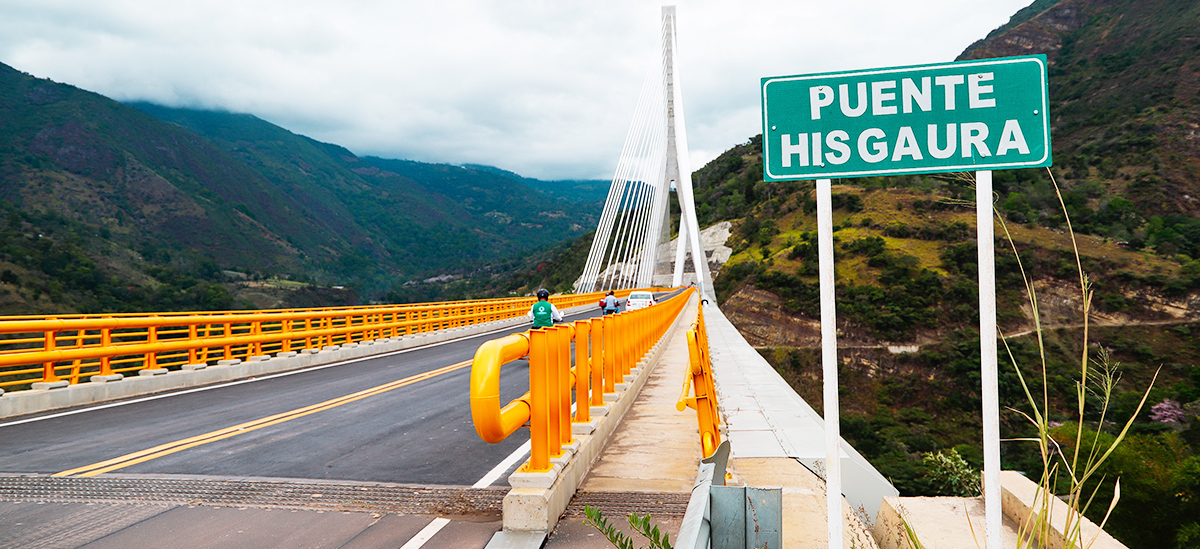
[142, 188]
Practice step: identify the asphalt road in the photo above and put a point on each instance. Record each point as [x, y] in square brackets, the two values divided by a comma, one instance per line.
[418, 433]
[400, 418]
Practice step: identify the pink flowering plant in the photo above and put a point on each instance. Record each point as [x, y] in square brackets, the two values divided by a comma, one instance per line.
[1168, 411]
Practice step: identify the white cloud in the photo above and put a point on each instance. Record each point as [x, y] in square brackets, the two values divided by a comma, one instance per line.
[543, 88]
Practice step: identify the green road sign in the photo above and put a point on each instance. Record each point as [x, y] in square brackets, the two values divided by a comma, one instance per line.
[972, 115]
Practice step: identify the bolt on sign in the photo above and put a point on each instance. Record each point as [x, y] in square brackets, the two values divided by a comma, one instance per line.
[966, 116]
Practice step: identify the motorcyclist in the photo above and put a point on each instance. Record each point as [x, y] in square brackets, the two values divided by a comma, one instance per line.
[544, 313]
[611, 304]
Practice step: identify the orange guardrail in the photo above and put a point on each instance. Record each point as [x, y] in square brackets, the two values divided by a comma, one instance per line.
[71, 347]
[698, 381]
[605, 350]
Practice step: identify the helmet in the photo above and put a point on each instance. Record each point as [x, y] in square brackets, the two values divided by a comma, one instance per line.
[543, 294]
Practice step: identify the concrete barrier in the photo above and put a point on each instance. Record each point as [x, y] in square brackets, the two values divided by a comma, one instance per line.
[959, 522]
[1021, 501]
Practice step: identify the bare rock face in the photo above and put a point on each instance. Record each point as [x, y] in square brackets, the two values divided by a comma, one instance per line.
[712, 240]
[757, 315]
[1042, 33]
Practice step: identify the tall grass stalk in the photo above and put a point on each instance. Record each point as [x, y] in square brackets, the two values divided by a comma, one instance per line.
[1098, 376]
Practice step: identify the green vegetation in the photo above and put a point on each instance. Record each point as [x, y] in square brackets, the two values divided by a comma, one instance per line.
[896, 409]
[48, 269]
[554, 268]
[640, 524]
[950, 474]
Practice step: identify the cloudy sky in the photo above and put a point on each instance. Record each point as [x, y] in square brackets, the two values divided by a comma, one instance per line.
[543, 88]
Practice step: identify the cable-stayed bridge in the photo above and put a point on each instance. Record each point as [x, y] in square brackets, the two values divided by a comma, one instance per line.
[635, 224]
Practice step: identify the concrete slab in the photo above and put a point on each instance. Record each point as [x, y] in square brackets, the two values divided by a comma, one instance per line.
[939, 523]
[42, 524]
[387, 530]
[516, 540]
[464, 534]
[234, 528]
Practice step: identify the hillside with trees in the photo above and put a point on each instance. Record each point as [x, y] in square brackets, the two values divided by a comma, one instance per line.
[111, 207]
[1125, 108]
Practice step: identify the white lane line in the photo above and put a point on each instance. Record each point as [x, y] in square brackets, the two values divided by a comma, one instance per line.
[427, 532]
[248, 380]
[499, 470]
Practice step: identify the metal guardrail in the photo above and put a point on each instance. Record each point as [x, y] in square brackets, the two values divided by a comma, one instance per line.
[698, 381]
[72, 347]
[605, 351]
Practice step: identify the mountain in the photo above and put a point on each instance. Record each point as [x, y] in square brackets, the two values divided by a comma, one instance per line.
[409, 217]
[159, 207]
[1125, 94]
[574, 190]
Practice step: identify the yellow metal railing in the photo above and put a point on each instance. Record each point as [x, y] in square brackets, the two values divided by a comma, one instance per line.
[71, 347]
[698, 381]
[605, 350]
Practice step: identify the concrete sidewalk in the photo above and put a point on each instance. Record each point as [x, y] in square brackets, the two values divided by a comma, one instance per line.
[656, 448]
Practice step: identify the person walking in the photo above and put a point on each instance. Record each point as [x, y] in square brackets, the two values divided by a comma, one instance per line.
[611, 304]
[544, 313]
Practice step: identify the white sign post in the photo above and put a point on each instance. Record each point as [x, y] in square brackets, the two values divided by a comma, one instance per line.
[988, 359]
[968, 116]
[829, 362]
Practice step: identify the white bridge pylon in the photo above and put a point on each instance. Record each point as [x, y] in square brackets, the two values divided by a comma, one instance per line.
[654, 161]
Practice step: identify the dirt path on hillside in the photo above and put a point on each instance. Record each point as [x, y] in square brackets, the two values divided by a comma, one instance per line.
[1022, 333]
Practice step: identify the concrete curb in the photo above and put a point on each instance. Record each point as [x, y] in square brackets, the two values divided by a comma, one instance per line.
[52, 396]
[528, 508]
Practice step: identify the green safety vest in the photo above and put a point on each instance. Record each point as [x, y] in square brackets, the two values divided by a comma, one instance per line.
[543, 314]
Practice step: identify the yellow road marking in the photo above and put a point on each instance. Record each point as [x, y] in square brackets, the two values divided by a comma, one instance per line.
[221, 434]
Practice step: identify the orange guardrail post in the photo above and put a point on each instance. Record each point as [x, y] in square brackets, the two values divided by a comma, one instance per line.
[628, 342]
[48, 373]
[618, 338]
[596, 340]
[105, 362]
[610, 353]
[562, 396]
[151, 361]
[583, 371]
[553, 382]
[539, 402]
